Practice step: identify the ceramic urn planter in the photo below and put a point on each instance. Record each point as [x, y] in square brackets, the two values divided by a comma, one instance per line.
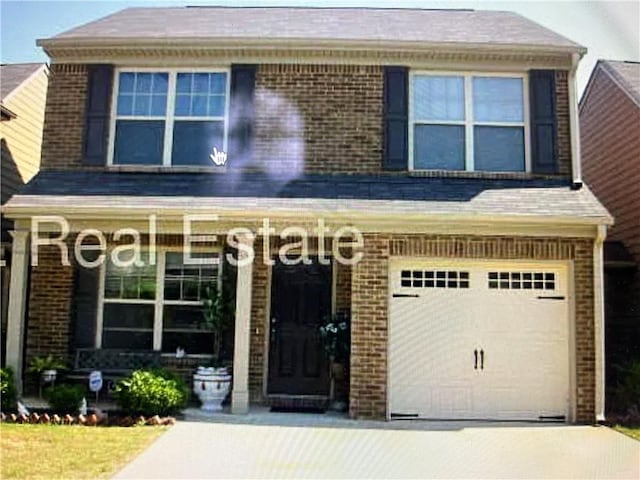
[211, 385]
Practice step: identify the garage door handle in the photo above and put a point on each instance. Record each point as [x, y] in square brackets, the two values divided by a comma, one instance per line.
[550, 297]
[475, 359]
[481, 359]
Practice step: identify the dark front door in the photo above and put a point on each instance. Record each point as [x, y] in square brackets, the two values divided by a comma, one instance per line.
[300, 299]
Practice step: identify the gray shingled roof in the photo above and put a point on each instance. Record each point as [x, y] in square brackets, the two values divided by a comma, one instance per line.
[396, 195]
[627, 74]
[13, 74]
[495, 28]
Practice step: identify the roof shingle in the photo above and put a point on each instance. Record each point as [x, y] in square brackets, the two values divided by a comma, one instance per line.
[398, 26]
[627, 74]
[13, 74]
[447, 196]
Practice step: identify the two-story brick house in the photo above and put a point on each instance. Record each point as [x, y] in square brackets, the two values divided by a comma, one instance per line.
[440, 146]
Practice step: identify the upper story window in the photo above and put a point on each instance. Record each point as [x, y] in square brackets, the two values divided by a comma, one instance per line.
[468, 122]
[169, 117]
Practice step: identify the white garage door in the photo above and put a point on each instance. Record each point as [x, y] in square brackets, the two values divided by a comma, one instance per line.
[478, 340]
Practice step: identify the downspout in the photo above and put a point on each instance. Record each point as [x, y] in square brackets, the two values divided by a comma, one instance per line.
[599, 331]
[574, 123]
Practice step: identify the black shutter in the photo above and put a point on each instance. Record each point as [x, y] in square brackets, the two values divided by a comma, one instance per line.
[85, 303]
[97, 112]
[243, 80]
[543, 121]
[396, 119]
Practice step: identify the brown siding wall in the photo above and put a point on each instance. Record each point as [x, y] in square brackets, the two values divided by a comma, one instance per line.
[370, 317]
[610, 140]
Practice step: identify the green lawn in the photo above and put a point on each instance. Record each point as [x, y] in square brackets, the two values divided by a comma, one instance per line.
[633, 432]
[46, 451]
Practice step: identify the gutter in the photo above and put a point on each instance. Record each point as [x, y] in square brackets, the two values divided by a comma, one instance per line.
[598, 314]
[574, 122]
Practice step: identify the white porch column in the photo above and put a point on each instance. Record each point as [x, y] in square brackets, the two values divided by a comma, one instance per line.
[240, 393]
[598, 304]
[17, 302]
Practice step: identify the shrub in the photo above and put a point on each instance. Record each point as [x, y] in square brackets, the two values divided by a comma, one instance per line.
[627, 392]
[8, 391]
[155, 392]
[64, 398]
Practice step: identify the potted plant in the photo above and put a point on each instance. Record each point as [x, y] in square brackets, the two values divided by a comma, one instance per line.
[335, 333]
[46, 369]
[212, 383]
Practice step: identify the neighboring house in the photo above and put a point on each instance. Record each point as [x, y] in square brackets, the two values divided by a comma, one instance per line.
[23, 92]
[610, 138]
[453, 151]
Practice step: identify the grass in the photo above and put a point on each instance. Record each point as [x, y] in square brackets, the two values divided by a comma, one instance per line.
[633, 432]
[45, 451]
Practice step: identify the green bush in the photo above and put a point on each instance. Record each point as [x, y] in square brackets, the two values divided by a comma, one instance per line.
[627, 392]
[155, 392]
[8, 391]
[64, 398]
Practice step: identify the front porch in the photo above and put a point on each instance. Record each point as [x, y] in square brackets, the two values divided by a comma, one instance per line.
[75, 306]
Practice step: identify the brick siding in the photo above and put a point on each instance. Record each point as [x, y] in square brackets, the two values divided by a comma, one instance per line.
[257, 346]
[326, 118]
[309, 119]
[49, 309]
[563, 147]
[64, 117]
[369, 334]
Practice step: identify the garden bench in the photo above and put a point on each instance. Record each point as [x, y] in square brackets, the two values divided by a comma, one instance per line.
[114, 364]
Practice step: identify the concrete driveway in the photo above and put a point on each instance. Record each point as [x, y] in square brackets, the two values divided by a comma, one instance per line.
[290, 446]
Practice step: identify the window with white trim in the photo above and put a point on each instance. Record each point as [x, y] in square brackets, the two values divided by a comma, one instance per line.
[468, 122]
[169, 117]
[158, 306]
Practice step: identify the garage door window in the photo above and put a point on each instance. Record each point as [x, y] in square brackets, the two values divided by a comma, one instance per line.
[434, 279]
[522, 280]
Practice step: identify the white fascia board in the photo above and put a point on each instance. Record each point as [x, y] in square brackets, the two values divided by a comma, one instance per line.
[302, 44]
